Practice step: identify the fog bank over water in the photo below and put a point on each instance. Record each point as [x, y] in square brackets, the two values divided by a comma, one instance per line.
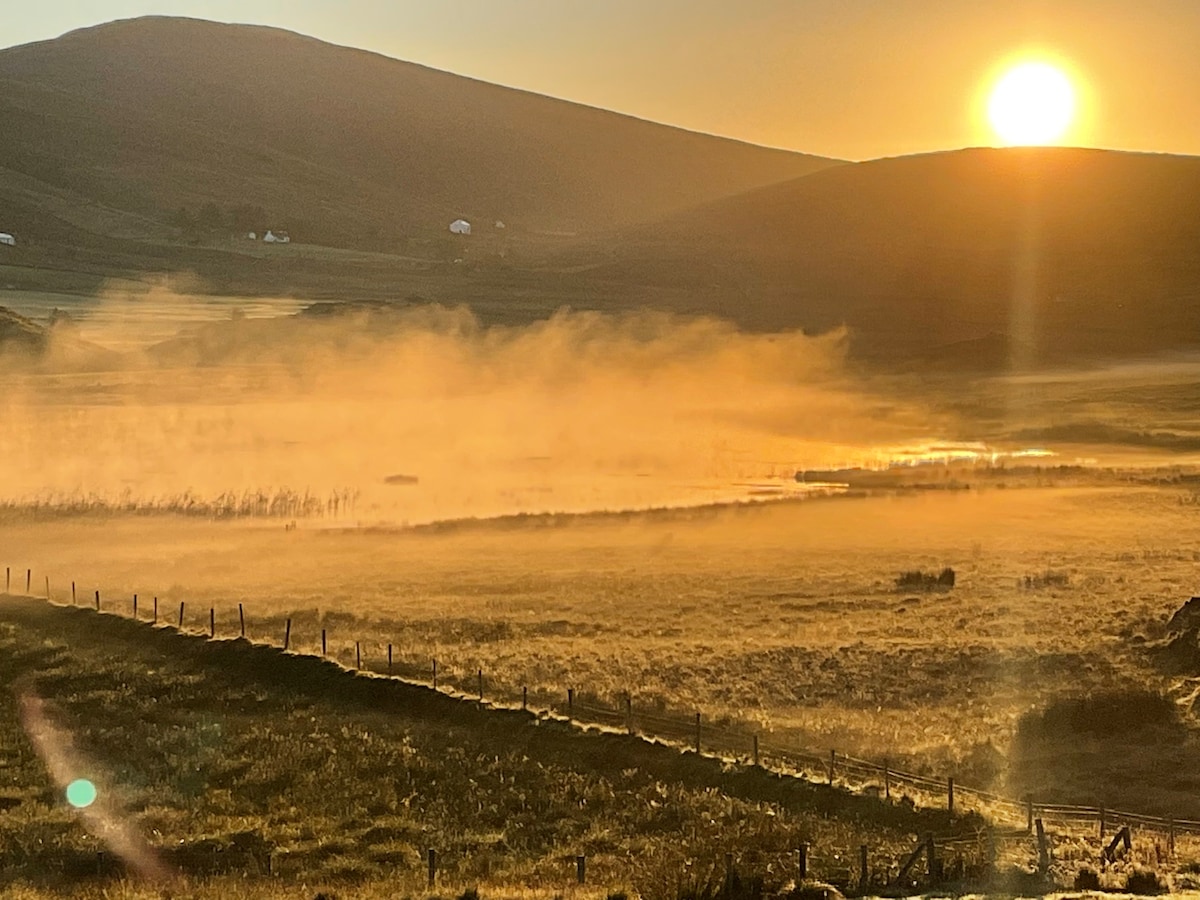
[422, 413]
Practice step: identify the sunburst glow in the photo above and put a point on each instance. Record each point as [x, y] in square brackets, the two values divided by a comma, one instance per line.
[1032, 104]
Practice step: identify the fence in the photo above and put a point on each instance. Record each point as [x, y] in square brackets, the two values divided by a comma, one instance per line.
[699, 736]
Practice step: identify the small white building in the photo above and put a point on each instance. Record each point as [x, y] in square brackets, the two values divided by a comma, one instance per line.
[460, 226]
[272, 237]
[7, 239]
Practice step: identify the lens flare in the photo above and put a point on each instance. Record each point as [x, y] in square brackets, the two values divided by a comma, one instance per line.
[81, 793]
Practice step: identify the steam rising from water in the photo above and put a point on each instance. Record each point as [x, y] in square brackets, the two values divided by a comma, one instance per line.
[422, 413]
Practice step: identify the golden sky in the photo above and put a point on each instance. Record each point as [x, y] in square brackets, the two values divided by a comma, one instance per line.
[848, 78]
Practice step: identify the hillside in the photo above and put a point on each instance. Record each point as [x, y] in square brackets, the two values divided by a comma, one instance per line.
[973, 257]
[113, 129]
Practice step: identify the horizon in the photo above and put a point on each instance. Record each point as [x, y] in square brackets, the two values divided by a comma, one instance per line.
[644, 79]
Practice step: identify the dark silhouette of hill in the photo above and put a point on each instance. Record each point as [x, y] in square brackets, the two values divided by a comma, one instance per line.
[115, 128]
[952, 259]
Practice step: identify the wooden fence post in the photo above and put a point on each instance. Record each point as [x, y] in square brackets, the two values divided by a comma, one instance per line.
[628, 713]
[756, 751]
[481, 685]
[832, 762]
[922, 848]
[28, 580]
[950, 797]
[212, 622]
[242, 619]
[697, 734]
[97, 601]
[135, 606]
[72, 593]
[570, 701]
[887, 780]
[389, 659]
[432, 857]
[287, 635]
[181, 603]
[581, 869]
[357, 655]
[862, 867]
[323, 647]
[802, 860]
[930, 856]
[1122, 836]
[1043, 848]
[1102, 822]
[525, 698]
[155, 610]
[435, 674]
[7, 579]
[47, 587]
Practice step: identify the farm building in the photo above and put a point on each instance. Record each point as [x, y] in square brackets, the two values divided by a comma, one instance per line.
[460, 226]
[273, 237]
[7, 239]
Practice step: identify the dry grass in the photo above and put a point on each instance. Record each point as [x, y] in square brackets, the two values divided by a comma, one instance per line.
[347, 780]
[785, 616]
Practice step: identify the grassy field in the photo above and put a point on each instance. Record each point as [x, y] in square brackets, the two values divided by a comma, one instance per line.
[785, 617]
[226, 757]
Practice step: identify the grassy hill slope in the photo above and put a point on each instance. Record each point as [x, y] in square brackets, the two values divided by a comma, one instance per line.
[981, 255]
[227, 757]
[339, 145]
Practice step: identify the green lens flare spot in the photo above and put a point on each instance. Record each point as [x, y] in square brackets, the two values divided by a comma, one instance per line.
[81, 793]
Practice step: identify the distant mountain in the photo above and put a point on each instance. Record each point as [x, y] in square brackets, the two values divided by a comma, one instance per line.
[111, 130]
[951, 259]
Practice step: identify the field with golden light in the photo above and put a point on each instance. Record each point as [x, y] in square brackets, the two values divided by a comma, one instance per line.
[786, 616]
[606, 505]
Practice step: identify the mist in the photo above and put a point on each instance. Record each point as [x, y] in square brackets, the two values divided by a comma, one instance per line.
[419, 413]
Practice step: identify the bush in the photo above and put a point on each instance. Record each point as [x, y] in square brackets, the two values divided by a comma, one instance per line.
[926, 580]
[1047, 579]
[1144, 881]
[1133, 712]
[1087, 879]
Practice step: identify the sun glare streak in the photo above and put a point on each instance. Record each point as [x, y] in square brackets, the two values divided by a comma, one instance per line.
[64, 763]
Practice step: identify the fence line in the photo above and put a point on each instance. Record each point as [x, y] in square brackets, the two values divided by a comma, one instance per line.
[699, 736]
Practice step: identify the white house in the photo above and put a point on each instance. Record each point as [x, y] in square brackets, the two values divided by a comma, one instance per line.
[272, 238]
[460, 226]
[7, 239]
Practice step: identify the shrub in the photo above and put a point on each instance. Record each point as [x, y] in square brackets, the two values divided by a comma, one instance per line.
[926, 580]
[469, 894]
[1047, 579]
[1087, 879]
[1144, 881]
[1132, 712]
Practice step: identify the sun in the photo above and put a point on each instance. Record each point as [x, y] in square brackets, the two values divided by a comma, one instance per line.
[1032, 104]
